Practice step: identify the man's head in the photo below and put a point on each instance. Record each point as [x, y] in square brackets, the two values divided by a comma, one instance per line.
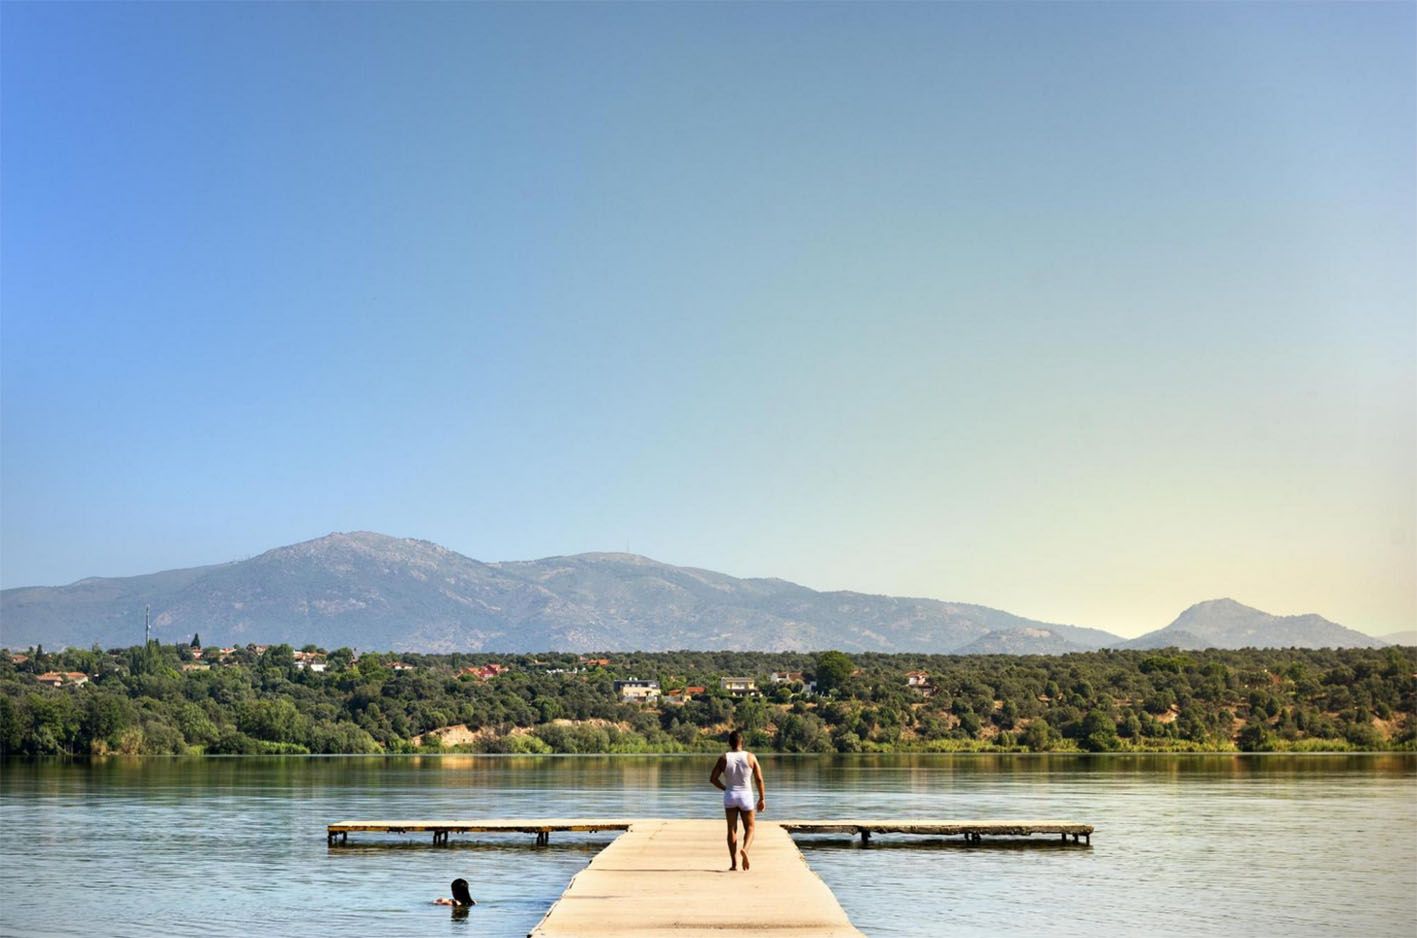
[735, 739]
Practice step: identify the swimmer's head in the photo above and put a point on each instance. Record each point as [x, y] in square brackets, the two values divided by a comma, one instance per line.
[460, 894]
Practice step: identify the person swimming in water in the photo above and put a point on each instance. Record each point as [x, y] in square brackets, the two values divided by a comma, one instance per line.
[461, 897]
[737, 772]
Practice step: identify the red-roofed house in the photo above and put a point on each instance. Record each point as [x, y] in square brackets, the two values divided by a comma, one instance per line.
[485, 671]
[58, 678]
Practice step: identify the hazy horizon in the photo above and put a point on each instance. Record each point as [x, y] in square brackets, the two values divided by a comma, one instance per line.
[1140, 630]
[1087, 312]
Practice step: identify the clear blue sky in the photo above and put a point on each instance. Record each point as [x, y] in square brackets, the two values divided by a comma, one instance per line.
[1086, 312]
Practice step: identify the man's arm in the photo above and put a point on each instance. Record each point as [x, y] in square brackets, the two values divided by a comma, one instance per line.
[716, 777]
[758, 780]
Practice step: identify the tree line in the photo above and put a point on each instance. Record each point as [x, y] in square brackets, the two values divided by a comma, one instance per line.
[160, 699]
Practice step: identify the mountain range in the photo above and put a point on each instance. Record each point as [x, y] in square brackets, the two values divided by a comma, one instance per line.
[372, 591]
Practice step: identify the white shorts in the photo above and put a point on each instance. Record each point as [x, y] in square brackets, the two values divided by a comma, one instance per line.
[740, 798]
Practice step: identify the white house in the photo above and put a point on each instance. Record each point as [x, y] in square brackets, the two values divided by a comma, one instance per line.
[638, 691]
[739, 686]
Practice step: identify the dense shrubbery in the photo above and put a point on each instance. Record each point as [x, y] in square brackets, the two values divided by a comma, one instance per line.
[141, 701]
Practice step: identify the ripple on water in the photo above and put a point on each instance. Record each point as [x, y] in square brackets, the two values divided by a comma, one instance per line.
[1219, 845]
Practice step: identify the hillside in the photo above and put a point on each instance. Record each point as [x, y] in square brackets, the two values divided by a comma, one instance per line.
[372, 591]
[367, 590]
[1224, 623]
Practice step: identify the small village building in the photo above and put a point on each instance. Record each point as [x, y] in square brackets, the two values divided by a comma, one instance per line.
[485, 672]
[637, 691]
[310, 661]
[400, 666]
[794, 677]
[62, 678]
[917, 678]
[739, 686]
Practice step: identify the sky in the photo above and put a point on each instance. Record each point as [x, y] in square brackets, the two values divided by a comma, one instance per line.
[1087, 312]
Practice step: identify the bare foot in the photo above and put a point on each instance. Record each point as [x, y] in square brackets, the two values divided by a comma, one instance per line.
[744, 855]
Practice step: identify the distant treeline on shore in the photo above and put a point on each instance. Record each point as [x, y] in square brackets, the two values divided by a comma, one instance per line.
[183, 699]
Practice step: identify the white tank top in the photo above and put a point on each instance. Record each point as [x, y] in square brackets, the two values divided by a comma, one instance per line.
[738, 771]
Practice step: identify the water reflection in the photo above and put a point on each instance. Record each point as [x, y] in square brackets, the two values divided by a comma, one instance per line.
[1222, 843]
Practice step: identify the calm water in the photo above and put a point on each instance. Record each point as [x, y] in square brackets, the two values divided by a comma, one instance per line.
[1185, 845]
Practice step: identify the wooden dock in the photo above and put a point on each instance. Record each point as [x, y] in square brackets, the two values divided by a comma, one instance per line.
[972, 831]
[671, 878]
[541, 827]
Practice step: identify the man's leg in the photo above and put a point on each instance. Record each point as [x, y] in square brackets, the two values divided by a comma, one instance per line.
[748, 821]
[731, 815]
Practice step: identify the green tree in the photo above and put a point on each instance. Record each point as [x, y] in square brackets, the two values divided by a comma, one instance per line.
[1039, 736]
[803, 733]
[105, 714]
[1099, 732]
[833, 670]
[12, 730]
[1254, 738]
[845, 741]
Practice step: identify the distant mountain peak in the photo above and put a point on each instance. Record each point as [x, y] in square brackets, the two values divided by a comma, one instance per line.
[366, 589]
[371, 590]
[1226, 623]
[1222, 603]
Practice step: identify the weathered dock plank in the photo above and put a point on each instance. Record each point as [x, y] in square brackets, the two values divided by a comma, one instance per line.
[971, 830]
[541, 827]
[671, 878]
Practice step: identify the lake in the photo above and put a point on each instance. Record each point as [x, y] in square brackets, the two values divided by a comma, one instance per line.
[1221, 845]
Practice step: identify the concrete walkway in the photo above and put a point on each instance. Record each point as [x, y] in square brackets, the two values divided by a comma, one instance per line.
[671, 878]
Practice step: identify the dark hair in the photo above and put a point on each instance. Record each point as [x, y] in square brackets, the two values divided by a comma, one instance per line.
[735, 738]
[460, 894]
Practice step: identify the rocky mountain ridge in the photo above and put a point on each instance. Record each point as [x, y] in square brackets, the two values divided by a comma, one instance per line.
[368, 590]
[1224, 623]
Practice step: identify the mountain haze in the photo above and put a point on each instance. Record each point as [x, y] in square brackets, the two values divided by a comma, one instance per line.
[368, 590]
[372, 591]
[1224, 623]
[1031, 640]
